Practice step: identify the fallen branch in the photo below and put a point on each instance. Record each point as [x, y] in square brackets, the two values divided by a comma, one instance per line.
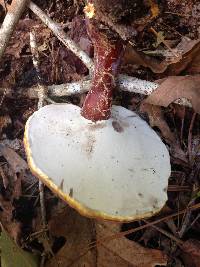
[124, 83]
[11, 19]
[62, 36]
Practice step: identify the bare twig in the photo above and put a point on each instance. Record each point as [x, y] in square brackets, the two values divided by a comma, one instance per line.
[11, 19]
[190, 138]
[186, 219]
[3, 96]
[41, 88]
[124, 83]
[164, 232]
[41, 98]
[42, 204]
[62, 36]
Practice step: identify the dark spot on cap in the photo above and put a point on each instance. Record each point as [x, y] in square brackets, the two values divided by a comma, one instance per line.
[117, 127]
[140, 195]
[61, 184]
[71, 192]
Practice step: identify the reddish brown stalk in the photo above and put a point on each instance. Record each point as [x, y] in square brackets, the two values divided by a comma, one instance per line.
[107, 57]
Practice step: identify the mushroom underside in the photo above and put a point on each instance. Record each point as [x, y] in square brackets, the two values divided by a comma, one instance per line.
[115, 169]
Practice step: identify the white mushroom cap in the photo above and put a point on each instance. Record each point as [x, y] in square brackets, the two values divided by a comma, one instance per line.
[115, 169]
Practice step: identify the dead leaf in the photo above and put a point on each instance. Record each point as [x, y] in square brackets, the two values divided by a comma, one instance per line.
[156, 119]
[6, 217]
[4, 177]
[194, 66]
[20, 39]
[191, 257]
[5, 121]
[15, 161]
[176, 87]
[17, 170]
[78, 33]
[78, 232]
[122, 252]
[187, 51]
[134, 57]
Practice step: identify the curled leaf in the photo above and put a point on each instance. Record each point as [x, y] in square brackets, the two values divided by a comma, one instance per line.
[176, 87]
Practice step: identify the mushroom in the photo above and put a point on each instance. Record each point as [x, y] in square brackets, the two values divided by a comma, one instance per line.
[106, 162]
[115, 169]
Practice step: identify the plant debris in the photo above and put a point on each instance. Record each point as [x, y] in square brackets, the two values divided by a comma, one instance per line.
[162, 41]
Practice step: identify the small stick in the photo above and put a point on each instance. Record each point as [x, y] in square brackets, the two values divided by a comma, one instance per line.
[163, 41]
[124, 83]
[11, 19]
[41, 88]
[186, 218]
[62, 36]
[190, 138]
[3, 96]
[164, 232]
[42, 204]
[41, 98]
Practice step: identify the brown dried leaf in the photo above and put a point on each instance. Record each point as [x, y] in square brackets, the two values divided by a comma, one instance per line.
[156, 119]
[78, 33]
[6, 217]
[18, 166]
[79, 232]
[21, 37]
[4, 122]
[194, 66]
[176, 87]
[187, 51]
[15, 161]
[4, 178]
[191, 257]
[122, 252]
[134, 57]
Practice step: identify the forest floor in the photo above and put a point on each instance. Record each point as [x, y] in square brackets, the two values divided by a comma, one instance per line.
[166, 51]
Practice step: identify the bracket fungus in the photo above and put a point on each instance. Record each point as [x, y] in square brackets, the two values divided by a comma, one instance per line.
[106, 162]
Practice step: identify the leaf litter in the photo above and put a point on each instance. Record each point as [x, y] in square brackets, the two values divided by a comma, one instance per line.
[70, 235]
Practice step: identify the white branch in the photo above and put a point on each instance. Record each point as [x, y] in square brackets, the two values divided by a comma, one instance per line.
[62, 36]
[124, 83]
